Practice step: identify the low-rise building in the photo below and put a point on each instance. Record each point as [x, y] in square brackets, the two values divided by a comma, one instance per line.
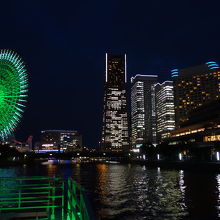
[60, 140]
[202, 127]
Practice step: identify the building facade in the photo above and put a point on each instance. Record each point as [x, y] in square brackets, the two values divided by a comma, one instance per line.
[194, 87]
[63, 140]
[143, 127]
[164, 107]
[115, 132]
[202, 128]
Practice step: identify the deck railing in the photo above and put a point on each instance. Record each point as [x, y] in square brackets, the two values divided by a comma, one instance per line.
[41, 198]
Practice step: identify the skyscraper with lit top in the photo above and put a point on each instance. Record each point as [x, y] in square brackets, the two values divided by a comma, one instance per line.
[164, 107]
[194, 87]
[115, 133]
[143, 117]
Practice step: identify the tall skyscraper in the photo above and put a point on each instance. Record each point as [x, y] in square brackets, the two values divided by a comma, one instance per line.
[194, 87]
[164, 106]
[142, 111]
[115, 136]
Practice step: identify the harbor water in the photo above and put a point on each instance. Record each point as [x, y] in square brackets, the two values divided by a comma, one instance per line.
[129, 191]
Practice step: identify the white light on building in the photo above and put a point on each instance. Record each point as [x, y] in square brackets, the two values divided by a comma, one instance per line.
[164, 105]
[158, 156]
[217, 155]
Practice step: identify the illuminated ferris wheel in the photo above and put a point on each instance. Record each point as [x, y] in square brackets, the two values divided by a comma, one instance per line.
[13, 91]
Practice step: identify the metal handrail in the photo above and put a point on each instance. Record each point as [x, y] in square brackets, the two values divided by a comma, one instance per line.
[50, 195]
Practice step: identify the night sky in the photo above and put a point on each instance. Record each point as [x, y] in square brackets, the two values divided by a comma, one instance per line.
[64, 43]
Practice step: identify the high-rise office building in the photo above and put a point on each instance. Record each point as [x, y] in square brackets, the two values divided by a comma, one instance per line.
[164, 106]
[142, 110]
[115, 134]
[194, 87]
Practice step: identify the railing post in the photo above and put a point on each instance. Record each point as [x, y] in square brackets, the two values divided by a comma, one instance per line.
[74, 197]
[49, 199]
[69, 200]
[19, 195]
[62, 199]
[53, 201]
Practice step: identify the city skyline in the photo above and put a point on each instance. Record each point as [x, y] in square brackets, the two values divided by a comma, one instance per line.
[158, 79]
[110, 110]
[117, 81]
[64, 47]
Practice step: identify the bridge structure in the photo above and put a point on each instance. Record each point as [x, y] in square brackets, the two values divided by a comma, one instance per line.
[91, 154]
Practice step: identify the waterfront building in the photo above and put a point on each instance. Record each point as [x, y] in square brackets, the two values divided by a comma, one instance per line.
[115, 133]
[194, 87]
[143, 126]
[63, 140]
[202, 127]
[164, 106]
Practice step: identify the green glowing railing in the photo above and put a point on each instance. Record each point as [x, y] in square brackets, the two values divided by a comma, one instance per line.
[41, 198]
[76, 205]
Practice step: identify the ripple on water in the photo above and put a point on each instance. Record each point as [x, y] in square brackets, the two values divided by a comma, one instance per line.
[131, 192]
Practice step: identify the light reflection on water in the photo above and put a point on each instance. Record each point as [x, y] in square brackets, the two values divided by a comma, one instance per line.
[218, 191]
[125, 191]
[135, 192]
[51, 169]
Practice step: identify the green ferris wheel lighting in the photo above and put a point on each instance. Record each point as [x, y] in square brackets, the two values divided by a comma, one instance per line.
[13, 91]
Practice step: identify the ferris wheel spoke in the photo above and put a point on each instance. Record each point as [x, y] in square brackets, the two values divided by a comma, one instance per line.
[8, 120]
[10, 96]
[10, 101]
[6, 110]
[4, 120]
[7, 93]
[4, 82]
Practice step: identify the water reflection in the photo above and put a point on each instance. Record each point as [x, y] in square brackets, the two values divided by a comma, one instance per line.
[131, 192]
[52, 170]
[160, 196]
[102, 171]
[181, 182]
[76, 173]
[201, 195]
[158, 170]
[182, 189]
[8, 172]
[218, 191]
[8, 187]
